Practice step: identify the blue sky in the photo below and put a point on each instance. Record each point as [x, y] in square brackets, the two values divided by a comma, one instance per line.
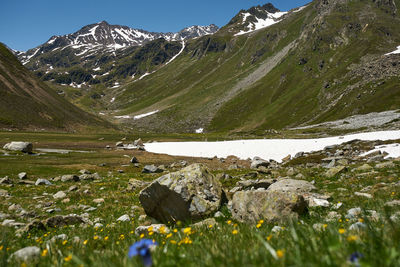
[25, 24]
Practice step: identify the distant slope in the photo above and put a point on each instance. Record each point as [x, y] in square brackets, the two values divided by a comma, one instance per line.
[321, 62]
[27, 103]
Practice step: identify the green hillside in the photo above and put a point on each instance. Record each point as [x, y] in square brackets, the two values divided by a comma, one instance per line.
[27, 103]
[308, 68]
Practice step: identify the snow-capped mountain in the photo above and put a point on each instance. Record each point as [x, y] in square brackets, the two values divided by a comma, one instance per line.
[255, 18]
[105, 37]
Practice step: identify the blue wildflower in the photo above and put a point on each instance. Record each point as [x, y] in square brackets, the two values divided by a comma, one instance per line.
[142, 248]
[355, 257]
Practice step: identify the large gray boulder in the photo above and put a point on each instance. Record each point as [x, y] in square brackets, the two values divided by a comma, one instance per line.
[25, 147]
[189, 194]
[271, 206]
[258, 162]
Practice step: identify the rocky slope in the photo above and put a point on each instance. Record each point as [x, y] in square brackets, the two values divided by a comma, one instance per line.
[29, 104]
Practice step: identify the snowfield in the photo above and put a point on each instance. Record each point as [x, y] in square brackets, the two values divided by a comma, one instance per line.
[394, 52]
[275, 149]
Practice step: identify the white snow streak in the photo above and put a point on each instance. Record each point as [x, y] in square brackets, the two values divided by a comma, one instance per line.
[180, 52]
[394, 52]
[144, 115]
[393, 150]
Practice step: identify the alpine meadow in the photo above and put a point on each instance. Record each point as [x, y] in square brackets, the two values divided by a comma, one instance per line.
[272, 140]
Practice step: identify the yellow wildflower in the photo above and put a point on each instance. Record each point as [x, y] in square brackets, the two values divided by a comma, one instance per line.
[141, 236]
[187, 231]
[64, 242]
[261, 221]
[96, 237]
[235, 232]
[229, 222]
[175, 230]
[342, 231]
[163, 230]
[85, 242]
[1, 248]
[361, 220]
[258, 225]
[210, 226]
[44, 252]
[169, 235]
[106, 238]
[172, 242]
[151, 233]
[69, 258]
[132, 232]
[325, 225]
[351, 238]
[122, 237]
[150, 229]
[280, 253]
[269, 237]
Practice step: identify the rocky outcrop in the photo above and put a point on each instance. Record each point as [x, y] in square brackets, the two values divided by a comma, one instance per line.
[189, 194]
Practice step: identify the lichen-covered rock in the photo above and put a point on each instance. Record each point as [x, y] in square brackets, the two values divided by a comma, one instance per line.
[26, 255]
[58, 221]
[189, 194]
[271, 206]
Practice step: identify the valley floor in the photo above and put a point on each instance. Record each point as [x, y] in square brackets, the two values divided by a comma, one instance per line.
[359, 226]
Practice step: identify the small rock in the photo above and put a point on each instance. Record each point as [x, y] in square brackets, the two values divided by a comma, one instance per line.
[5, 180]
[59, 220]
[58, 238]
[59, 195]
[393, 203]
[205, 223]
[72, 188]
[353, 213]
[84, 171]
[384, 165]
[98, 225]
[276, 229]
[333, 216]
[69, 178]
[156, 228]
[364, 167]
[27, 255]
[124, 218]
[98, 200]
[219, 214]
[258, 162]
[151, 169]
[335, 171]
[363, 195]
[358, 226]
[22, 176]
[134, 160]
[119, 144]
[42, 182]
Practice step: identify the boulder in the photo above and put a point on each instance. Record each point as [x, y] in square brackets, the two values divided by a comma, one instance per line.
[4, 193]
[135, 184]
[124, 218]
[292, 185]
[272, 206]
[5, 180]
[258, 162]
[151, 169]
[189, 194]
[86, 176]
[24, 147]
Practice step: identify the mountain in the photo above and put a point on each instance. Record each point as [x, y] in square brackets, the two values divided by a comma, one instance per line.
[29, 104]
[268, 69]
[96, 49]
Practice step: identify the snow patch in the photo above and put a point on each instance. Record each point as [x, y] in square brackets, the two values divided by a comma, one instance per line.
[200, 130]
[272, 18]
[145, 115]
[275, 149]
[397, 51]
[123, 117]
[112, 100]
[97, 69]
